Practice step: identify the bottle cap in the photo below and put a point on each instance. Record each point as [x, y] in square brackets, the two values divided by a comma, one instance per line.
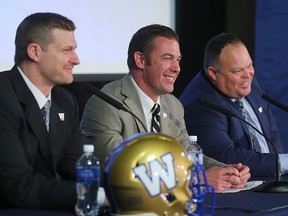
[192, 138]
[88, 148]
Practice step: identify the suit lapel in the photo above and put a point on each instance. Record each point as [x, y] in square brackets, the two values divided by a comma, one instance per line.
[32, 114]
[234, 108]
[165, 126]
[257, 108]
[133, 102]
[259, 112]
[56, 132]
[35, 121]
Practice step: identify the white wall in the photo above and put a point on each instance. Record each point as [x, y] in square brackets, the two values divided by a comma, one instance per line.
[104, 28]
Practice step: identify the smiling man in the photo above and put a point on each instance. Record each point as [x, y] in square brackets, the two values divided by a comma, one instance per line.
[154, 65]
[37, 155]
[228, 81]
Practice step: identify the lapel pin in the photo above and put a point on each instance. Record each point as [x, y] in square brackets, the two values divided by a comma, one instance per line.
[260, 109]
[164, 115]
[61, 116]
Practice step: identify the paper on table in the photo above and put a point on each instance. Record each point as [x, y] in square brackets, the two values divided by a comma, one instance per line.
[249, 185]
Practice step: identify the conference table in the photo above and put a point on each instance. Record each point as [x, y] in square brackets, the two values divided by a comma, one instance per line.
[247, 202]
[250, 202]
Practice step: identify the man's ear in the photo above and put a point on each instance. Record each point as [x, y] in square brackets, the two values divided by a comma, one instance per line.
[212, 73]
[33, 51]
[139, 59]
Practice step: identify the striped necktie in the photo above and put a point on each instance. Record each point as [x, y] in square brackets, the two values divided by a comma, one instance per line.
[253, 138]
[46, 113]
[155, 122]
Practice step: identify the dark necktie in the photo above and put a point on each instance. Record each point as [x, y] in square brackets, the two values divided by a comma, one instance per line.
[46, 113]
[252, 134]
[155, 122]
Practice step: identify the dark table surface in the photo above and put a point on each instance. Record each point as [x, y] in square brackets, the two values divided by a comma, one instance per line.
[250, 202]
[236, 204]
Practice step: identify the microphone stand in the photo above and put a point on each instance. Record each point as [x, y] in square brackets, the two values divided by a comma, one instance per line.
[274, 102]
[278, 186]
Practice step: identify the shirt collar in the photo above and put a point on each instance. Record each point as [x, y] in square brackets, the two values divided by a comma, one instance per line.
[39, 96]
[147, 102]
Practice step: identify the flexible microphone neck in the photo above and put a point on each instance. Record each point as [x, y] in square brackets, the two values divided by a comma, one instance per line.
[232, 114]
[113, 102]
[105, 97]
[215, 107]
[278, 172]
[274, 102]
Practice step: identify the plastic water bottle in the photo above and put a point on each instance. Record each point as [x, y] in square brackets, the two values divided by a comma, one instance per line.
[195, 154]
[199, 184]
[87, 182]
[194, 151]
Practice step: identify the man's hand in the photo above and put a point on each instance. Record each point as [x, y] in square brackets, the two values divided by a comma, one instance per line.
[244, 175]
[233, 175]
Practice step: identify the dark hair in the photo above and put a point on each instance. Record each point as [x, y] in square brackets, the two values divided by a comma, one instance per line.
[37, 28]
[142, 41]
[214, 47]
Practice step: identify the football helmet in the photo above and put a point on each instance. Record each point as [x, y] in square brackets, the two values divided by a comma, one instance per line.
[149, 174]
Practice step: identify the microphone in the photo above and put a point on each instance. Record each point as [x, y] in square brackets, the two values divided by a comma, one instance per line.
[108, 99]
[274, 102]
[278, 186]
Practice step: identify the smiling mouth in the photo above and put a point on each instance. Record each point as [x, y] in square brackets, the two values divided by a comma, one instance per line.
[245, 84]
[170, 78]
[69, 69]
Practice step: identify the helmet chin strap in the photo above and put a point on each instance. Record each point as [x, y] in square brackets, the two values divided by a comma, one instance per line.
[194, 206]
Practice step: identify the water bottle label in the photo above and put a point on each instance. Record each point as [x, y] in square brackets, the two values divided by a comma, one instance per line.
[190, 157]
[88, 175]
[200, 156]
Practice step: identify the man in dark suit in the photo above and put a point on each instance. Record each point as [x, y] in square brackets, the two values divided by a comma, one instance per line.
[37, 163]
[228, 77]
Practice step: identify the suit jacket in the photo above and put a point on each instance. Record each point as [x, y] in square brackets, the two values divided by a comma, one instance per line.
[37, 167]
[106, 126]
[227, 138]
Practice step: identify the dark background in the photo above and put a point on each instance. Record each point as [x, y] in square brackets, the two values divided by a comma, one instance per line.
[198, 21]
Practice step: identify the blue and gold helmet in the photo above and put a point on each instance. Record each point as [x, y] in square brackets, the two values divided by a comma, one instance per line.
[148, 174]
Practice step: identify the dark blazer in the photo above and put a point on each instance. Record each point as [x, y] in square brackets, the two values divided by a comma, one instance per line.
[36, 167]
[227, 138]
